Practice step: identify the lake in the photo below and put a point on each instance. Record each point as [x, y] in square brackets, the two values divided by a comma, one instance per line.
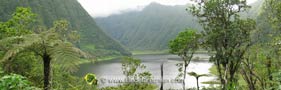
[110, 72]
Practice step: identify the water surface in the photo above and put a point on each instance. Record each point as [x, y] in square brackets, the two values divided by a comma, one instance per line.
[111, 70]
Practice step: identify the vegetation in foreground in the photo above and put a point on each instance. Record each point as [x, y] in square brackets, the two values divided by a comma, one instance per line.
[35, 57]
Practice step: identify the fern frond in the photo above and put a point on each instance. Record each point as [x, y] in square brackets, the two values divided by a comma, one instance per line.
[61, 52]
[67, 56]
[18, 44]
[6, 42]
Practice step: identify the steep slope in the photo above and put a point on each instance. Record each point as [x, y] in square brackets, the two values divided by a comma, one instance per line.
[154, 26]
[266, 31]
[254, 11]
[149, 29]
[93, 39]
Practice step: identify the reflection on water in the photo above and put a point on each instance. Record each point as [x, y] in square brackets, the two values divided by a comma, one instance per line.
[111, 70]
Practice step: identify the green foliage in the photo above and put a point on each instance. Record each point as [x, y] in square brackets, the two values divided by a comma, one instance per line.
[36, 43]
[50, 46]
[22, 64]
[185, 42]
[19, 24]
[277, 80]
[180, 69]
[130, 66]
[254, 11]
[153, 27]
[21, 50]
[49, 11]
[49, 41]
[226, 34]
[15, 82]
[62, 80]
[197, 75]
[274, 8]
[149, 29]
[136, 80]
[262, 62]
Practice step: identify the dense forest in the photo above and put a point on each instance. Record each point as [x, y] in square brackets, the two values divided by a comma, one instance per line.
[154, 26]
[43, 43]
[149, 29]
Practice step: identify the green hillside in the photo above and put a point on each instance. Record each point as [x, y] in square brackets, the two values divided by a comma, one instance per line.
[93, 39]
[255, 10]
[154, 26]
[149, 29]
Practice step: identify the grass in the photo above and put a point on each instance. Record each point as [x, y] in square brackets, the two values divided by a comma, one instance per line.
[145, 52]
[150, 52]
[108, 58]
[163, 52]
[213, 70]
[83, 61]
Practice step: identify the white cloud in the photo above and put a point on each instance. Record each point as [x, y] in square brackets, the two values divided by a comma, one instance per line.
[103, 8]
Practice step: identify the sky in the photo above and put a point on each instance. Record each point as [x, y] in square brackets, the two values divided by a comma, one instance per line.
[104, 8]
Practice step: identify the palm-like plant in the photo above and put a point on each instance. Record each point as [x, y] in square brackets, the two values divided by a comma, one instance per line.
[48, 45]
[197, 76]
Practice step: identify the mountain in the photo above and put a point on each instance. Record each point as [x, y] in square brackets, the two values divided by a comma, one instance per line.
[93, 39]
[154, 26]
[266, 30]
[254, 11]
[149, 29]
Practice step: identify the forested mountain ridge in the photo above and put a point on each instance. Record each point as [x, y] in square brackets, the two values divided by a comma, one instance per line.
[93, 39]
[149, 29]
[254, 11]
[154, 26]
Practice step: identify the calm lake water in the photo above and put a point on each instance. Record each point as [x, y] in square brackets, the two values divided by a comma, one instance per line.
[109, 72]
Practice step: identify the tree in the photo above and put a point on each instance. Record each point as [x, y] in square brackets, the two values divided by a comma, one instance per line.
[185, 45]
[135, 81]
[261, 63]
[130, 66]
[19, 24]
[273, 9]
[197, 76]
[252, 67]
[226, 34]
[50, 46]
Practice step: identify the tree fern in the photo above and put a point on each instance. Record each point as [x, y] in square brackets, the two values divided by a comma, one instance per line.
[48, 44]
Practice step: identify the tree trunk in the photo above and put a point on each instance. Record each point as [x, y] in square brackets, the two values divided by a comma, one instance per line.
[184, 74]
[47, 67]
[197, 79]
[219, 68]
[161, 88]
[252, 87]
